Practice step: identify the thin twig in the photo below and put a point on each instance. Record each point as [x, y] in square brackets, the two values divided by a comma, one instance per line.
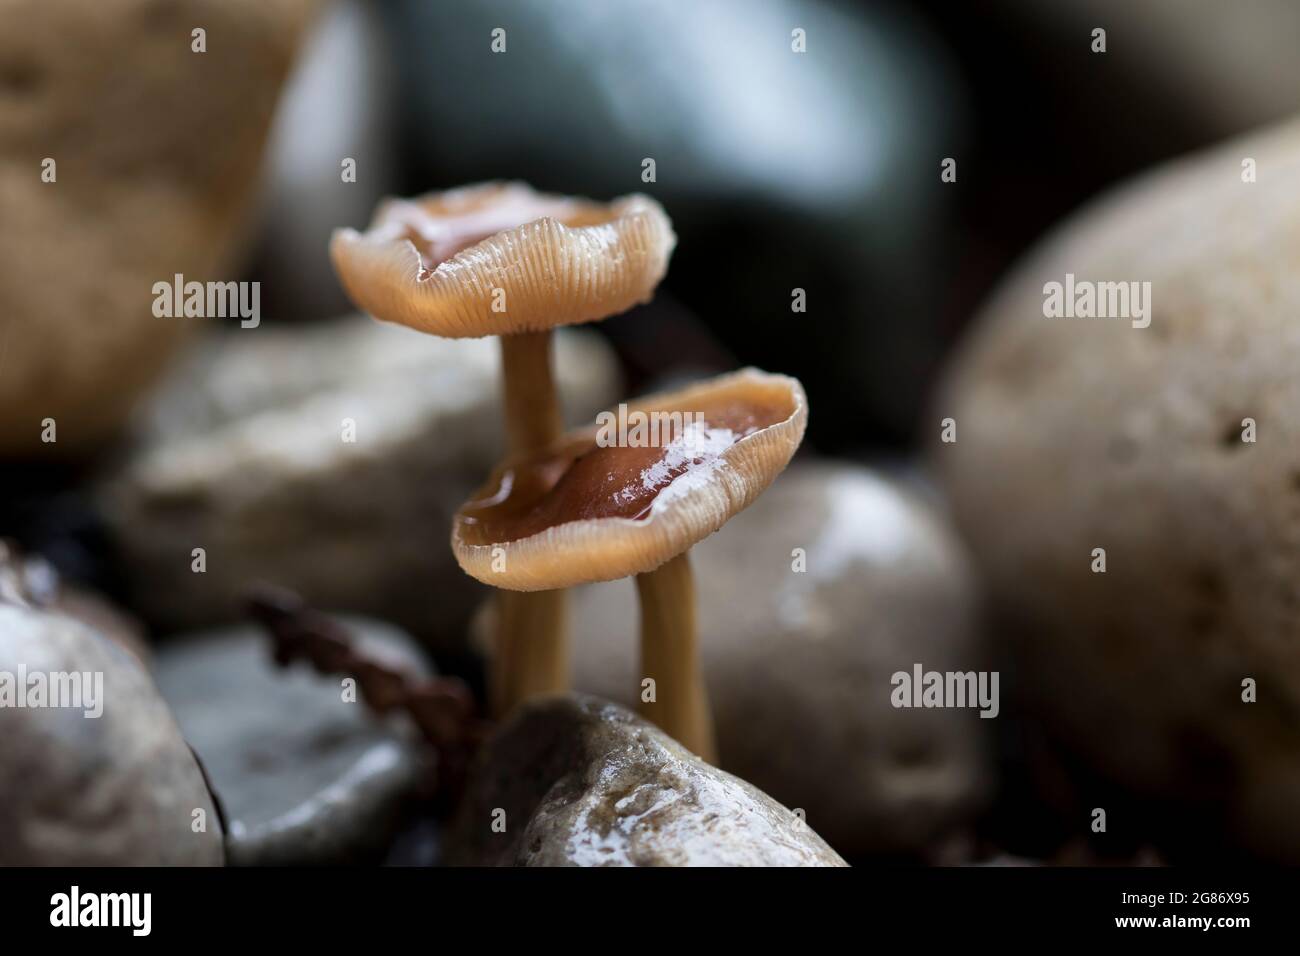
[442, 708]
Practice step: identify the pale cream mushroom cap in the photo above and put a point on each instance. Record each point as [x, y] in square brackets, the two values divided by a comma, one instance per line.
[436, 263]
[689, 508]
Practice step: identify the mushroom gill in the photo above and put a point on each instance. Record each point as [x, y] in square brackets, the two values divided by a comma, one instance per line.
[499, 259]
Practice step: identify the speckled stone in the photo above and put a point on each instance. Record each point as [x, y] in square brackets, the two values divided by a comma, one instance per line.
[157, 151]
[583, 782]
[120, 789]
[1077, 434]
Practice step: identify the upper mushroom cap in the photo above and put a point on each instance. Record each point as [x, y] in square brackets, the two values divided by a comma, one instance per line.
[435, 262]
[584, 511]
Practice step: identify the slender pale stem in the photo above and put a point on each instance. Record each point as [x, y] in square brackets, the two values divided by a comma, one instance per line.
[670, 656]
[531, 652]
[530, 656]
[532, 407]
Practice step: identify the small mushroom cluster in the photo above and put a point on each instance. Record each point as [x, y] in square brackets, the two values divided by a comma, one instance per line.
[568, 509]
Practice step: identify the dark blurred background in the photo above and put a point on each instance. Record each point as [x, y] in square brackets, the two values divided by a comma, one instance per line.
[819, 171]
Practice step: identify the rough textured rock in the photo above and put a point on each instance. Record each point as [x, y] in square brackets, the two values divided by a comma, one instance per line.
[156, 151]
[120, 789]
[584, 782]
[798, 665]
[304, 777]
[1076, 434]
[252, 465]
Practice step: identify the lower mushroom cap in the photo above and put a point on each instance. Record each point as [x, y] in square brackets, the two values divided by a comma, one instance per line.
[587, 510]
[442, 262]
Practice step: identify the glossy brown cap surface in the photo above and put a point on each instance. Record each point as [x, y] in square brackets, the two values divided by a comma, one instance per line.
[607, 502]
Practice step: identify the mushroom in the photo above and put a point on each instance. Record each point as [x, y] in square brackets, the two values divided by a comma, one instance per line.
[589, 509]
[500, 259]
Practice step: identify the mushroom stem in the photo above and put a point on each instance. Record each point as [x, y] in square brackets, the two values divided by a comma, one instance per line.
[530, 656]
[670, 657]
[531, 652]
[532, 409]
